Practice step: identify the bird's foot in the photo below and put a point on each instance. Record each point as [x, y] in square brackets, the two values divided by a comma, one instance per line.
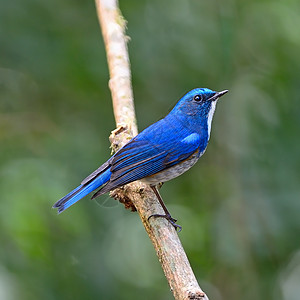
[170, 219]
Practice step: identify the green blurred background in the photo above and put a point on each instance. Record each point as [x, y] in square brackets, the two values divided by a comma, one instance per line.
[239, 206]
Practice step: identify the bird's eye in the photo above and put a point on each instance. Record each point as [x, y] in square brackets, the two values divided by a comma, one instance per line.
[198, 97]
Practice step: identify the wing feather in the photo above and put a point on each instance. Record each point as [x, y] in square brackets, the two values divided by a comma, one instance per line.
[157, 148]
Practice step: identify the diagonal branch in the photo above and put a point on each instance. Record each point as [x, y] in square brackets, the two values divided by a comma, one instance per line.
[164, 238]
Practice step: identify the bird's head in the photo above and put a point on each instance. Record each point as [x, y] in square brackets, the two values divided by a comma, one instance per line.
[200, 105]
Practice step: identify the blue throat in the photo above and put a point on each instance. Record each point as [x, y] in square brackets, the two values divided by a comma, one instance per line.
[194, 123]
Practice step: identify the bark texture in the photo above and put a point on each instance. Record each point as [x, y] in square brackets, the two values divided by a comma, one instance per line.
[137, 195]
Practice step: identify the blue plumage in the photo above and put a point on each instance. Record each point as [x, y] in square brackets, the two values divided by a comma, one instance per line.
[161, 152]
[82, 191]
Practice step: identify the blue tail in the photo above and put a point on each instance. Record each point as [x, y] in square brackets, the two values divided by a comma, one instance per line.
[82, 191]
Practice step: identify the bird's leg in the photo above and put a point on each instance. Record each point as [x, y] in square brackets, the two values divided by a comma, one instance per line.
[167, 215]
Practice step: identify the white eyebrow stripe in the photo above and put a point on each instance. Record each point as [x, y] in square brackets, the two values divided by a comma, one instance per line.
[191, 139]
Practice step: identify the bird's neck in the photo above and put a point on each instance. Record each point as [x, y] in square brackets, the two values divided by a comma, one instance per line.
[199, 123]
[189, 125]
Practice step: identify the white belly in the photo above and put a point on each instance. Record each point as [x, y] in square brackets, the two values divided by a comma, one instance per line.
[171, 172]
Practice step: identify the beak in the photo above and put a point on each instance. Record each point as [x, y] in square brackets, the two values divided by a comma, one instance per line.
[218, 95]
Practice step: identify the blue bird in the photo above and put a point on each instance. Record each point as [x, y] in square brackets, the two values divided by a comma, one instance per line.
[161, 152]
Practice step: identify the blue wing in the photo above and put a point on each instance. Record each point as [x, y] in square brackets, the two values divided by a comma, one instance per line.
[158, 147]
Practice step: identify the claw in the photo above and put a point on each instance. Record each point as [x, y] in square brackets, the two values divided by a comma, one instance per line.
[170, 219]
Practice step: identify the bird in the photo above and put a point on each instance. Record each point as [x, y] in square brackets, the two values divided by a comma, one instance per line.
[161, 152]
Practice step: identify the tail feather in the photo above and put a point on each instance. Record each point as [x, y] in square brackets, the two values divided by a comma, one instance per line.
[81, 191]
